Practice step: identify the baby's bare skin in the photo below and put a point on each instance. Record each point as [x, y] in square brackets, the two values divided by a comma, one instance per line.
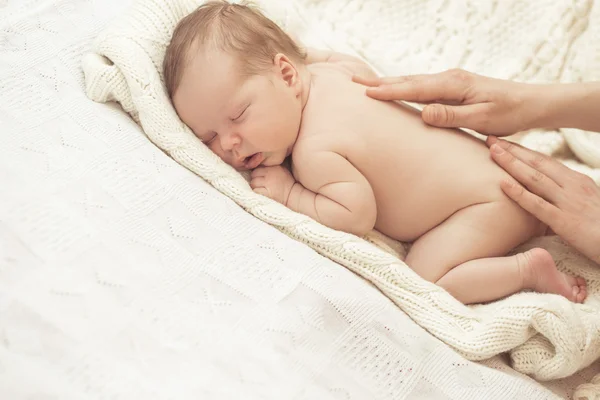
[420, 175]
[436, 187]
[360, 163]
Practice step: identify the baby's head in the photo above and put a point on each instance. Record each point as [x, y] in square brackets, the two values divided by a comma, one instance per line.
[236, 79]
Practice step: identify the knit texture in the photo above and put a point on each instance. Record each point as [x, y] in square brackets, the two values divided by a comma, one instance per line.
[547, 336]
[125, 276]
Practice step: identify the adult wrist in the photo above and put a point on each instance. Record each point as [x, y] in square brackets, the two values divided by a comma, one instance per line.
[539, 104]
[564, 105]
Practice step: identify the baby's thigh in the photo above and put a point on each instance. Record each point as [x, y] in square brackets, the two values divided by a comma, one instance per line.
[478, 231]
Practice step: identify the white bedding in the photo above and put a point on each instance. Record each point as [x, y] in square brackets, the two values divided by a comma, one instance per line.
[546, 335]
[124, 275]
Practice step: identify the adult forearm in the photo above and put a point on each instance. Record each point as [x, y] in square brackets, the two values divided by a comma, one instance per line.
[327, 212]
[574, 105]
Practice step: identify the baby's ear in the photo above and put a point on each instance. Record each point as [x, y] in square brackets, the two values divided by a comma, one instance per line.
[287, 70]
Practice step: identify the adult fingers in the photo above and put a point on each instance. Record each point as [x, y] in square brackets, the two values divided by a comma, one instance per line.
[533, 179]
[366, 81]
[377, 82]
[441, 87]
[537, 206]
[383, 80]
[448, 116]
[551, 168]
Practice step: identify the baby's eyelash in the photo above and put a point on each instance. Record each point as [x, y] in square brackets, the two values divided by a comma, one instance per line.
[242, 113]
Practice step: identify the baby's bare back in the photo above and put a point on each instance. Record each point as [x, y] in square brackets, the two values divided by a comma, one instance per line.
[420, 175]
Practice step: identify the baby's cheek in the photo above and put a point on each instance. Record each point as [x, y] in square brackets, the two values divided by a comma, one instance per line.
[215, 148]
[227, 157]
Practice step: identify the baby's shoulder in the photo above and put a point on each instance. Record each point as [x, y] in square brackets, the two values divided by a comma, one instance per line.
[311, 143]
[304, 154]
[333, 91]
[337, 69]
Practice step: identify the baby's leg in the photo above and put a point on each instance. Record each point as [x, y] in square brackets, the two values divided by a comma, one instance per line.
[488, 279]
[464, 255]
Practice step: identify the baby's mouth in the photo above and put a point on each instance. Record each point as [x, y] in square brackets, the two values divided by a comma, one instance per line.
[254, 160]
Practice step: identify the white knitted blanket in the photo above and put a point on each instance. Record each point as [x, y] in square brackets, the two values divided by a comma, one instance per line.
[547, 336]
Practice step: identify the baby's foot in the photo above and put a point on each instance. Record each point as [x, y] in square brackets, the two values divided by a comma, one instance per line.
[541, 275]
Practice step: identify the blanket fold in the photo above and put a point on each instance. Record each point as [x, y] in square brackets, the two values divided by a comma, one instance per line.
[547, 336]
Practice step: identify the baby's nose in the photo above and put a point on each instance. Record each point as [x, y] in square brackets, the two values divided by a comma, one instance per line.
[230, 142]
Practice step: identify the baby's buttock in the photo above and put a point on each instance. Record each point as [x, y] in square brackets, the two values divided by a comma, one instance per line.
[412, 204]
[431, 175]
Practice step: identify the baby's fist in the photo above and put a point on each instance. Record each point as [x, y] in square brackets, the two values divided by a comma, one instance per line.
[274, 182]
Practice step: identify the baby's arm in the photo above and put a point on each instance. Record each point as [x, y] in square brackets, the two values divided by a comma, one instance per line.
[334, 193]
[354, 64]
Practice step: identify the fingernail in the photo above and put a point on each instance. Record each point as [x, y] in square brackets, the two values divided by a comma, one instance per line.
[497, 149]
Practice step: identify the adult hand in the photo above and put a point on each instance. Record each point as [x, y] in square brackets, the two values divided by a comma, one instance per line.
[457, 98]
[565, 200]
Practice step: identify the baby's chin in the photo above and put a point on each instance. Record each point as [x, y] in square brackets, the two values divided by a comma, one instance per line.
[270, 163]
[274, 160]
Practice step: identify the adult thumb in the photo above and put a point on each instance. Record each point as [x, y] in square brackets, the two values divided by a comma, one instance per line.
[445, 116]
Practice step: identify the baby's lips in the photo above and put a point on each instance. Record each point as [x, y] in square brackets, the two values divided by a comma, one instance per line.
[254, 161]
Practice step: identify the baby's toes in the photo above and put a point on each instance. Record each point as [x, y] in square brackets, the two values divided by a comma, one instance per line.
[575, 294]
[580, 293]
[580, 298]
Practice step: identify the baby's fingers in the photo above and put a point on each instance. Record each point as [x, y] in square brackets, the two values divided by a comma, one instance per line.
[258, 172]
[262, 191]
[258, 182]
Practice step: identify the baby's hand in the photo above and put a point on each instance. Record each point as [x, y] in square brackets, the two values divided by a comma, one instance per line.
[274, 182]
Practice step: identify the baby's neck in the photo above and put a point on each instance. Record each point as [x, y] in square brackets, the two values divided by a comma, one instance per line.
[306, 79]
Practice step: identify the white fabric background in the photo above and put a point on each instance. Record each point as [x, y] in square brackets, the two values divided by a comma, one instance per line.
[123, 275]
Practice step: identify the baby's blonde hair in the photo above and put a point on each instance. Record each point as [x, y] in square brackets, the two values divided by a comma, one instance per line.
[237, 28]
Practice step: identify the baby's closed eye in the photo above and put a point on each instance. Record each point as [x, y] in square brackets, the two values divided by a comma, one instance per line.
[240, 114]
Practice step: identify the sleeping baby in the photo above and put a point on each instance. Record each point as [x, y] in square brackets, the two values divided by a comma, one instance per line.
[255, 98]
